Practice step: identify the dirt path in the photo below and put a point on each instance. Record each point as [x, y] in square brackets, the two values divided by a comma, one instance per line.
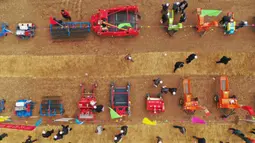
[115, 66]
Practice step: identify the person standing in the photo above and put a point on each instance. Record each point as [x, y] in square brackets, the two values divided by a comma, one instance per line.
[118, 138]
[224, 60]
[66, 129]
[99, 129]
[173, 91]
[165, 8]
[29, 140]
[183, 17]
[236, 132]
[176, 7]
[164, 90]
[98, 108]
[157, 82]
[242, 24]
[191, 57]
[183, 5]
[129, 58]
[65, 14]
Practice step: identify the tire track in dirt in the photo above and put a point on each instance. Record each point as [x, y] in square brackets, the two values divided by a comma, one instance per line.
[146, 64]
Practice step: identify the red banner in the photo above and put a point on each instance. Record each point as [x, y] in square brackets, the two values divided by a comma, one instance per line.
[18, 127]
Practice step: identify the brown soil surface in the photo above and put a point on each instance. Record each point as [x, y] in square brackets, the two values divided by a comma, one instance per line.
[41, 67]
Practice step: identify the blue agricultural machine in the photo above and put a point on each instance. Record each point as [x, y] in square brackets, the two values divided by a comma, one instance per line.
[2, 105]
[24, 108]
[65, 30]
[4, 31]
[51, 106]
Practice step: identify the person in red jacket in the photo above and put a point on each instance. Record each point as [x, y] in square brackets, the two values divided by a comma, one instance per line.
[65, 14]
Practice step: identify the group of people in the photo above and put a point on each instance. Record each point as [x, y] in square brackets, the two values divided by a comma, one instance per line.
[164, 89]
[189, 59]
[65, 14]
[60, 135]
[179, 64]
[230, 19]
[177, 7]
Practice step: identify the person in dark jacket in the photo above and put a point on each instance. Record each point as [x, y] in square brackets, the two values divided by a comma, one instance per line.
[182, 129]
[164, 18]
[129, 58]
[98, 108]
[173, 91]
[123, 130]
[165, 8]
[29, 140]
[3, 135]
[66, 129]
[190, 58]
[47, 134]
[183, 17]
[118, 138]
[183, 5]
[252, 131]
[164, 89]
[176, 7]
[199, 140]
[59, 135]
[178, 65]
[242, 24]
[65, 14]
[225, 20]
[159, 139]
[157, 82]
[224, 60]
[236, 132]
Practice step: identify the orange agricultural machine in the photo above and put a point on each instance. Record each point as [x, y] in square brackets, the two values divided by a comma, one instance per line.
[226, 103]
[202, 26]
[189, 103]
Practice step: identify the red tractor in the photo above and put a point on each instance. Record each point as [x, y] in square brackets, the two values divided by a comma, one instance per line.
[116, 22]
[155, 104]
[87, 103]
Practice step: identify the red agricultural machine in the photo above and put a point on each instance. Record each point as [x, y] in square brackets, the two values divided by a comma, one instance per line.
[190, 104]
[87, 103]
[155, 104]
[119, 22]
[120, 99]
[202, 26]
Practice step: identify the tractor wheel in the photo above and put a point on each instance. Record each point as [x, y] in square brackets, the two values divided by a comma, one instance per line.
[181, 101]
[216, 98]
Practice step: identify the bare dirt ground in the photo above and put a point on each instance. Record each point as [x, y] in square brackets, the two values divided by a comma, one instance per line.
[41, 67]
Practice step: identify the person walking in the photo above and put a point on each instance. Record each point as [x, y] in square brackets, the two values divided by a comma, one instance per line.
[236, 132]
[242, 24]
[178, 65]
[66, 129]
[164, 90]
[159, 139]
[118, 138]
[47, 134]
[164, 18]
[182, 129]
[123, 130]
[29, 140]
[191, 57]
[3, 135]
[65, 14]
[199, 140]
[224, 60]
